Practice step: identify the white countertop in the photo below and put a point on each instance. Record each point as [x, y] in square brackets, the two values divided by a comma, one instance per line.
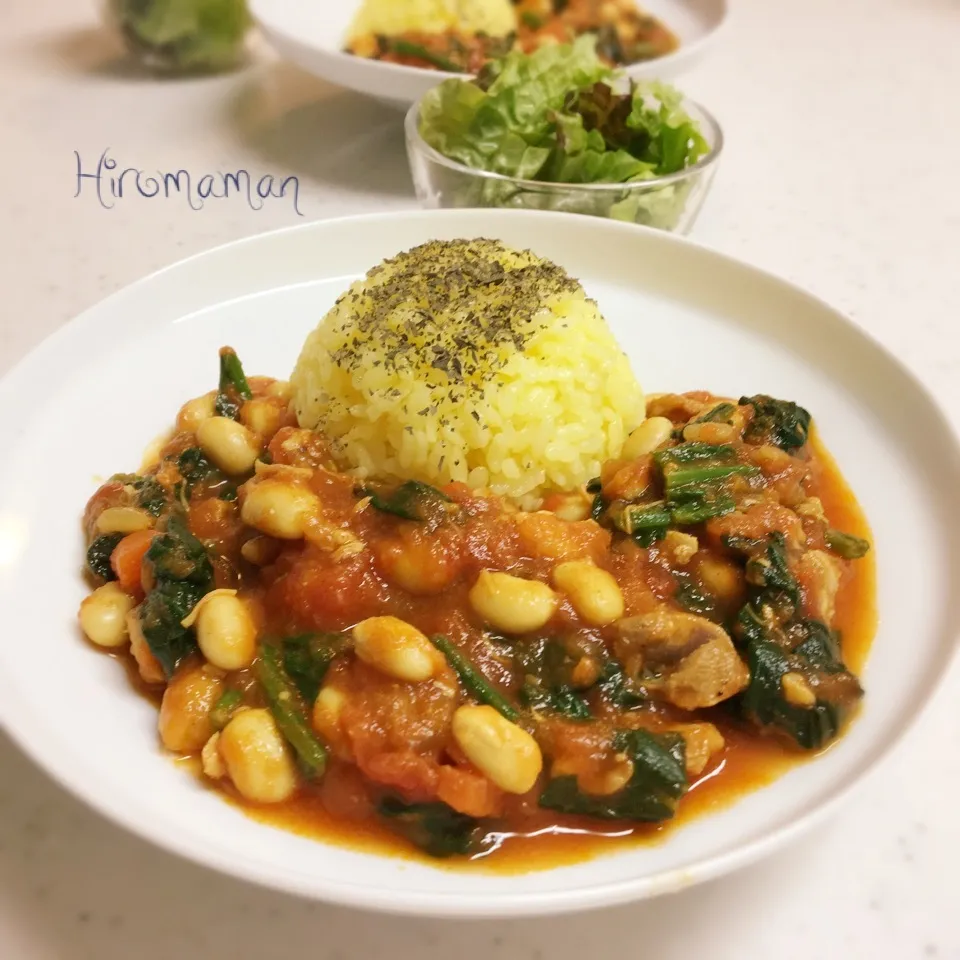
[843, 135]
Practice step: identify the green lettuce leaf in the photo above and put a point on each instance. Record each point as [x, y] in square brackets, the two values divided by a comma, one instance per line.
[508, 127]
[187, 34]
[560, 115]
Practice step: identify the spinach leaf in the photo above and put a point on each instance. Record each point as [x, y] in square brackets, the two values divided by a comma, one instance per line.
[697, 504]
[562, 700]
[405, 48]
[179, 555]
[183, 574]
[695, 490]
[658, 782]
[645, 522]
[694, 476]
[306, 659]
[433, 827]
[817, 644]
[693, 598]
[195, 468]
[689, 476]
[763, 700]
[412, 500]
[224, 709]
[290, 712]
[778, 642]
[99, 553]
[721, 413]
[694, 452]
[779, 422]
[473, 681]
[768, 570]
[166, 605]
[233, 388]
[743, 545]
[751, 625]
[152, 496]
[547, 668]
[846, 545]
[618, 688]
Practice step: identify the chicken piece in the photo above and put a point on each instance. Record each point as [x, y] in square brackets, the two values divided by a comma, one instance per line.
[703, 742]
[818, 574]
[679, 547]
[814, 520]
[300, 448]
[709, 675]
[676, 406]
[627, 480]
[663, 636]
[772, 461]
[699, 663]
[394, 731]
[545, 535]
[756, 522]
[812, 509]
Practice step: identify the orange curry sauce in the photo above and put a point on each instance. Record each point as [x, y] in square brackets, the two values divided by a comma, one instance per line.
[749, 762]
[625, 35]
[306, 590]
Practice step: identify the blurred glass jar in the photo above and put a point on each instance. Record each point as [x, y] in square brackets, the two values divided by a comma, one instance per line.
[183, 36]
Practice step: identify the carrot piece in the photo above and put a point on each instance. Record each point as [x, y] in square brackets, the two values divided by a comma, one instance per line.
[127, 560]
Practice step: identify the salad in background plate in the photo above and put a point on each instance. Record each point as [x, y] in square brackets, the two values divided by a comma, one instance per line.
[560, 129]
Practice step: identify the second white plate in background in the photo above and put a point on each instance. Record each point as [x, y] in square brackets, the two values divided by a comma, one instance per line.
[312, 35]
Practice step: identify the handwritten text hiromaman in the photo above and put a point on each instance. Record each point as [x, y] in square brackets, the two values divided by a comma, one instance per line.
[110, 183]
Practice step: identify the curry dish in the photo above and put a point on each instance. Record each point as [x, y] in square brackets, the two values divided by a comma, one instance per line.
[368, 659]
[625, 35]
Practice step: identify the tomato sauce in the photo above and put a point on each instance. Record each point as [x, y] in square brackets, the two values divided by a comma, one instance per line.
[360, 561]
[749, 762]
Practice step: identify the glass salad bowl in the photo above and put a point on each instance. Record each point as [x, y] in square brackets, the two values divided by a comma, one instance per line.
[182, 36]
[669, 202]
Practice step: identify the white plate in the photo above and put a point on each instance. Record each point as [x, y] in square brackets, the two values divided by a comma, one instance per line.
[311, 33]
[86, 402]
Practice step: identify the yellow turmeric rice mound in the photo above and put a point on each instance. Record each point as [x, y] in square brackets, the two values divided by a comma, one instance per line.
[496, 18]
[467, 361]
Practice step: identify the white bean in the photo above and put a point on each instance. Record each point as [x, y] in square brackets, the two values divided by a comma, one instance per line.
[184, 720]
[279, 509]
[280, 388]
[103, 616]
[594, 593]
[650, 435]
[194, 411]
[325, 717]
[210, 759]
[262, 416]
[226, 632]
[257, 757]
[797, 691]
[124, 520]
[499, 749]
[230, 445]
[396, 648]
[512, 604]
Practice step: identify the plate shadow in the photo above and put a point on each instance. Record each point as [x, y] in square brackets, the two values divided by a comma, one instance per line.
[332, 136]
